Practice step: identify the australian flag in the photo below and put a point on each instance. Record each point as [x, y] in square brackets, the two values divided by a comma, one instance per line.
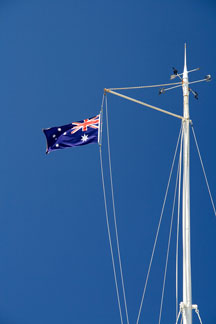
[75, 134]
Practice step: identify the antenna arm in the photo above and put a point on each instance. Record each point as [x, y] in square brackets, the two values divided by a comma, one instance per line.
[173, 87]
[197, 81]
[197, 69]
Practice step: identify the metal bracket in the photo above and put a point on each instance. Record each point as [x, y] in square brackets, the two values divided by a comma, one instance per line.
[195, 307]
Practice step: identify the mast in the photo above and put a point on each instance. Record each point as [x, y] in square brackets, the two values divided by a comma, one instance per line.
[187, 290]
[186, 306]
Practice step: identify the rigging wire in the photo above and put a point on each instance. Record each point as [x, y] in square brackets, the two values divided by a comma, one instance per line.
[206, 180]
[169, 240]
[178, 317]
[114, 215]
[177, 231]
[109, 236]
[197, 312]
[144, 87]
[156, 237]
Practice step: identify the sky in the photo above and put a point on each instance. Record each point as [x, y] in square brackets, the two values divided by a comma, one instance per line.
[56, 59]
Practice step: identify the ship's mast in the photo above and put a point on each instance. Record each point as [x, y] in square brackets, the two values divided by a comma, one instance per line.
[186, 306]
[187, 290]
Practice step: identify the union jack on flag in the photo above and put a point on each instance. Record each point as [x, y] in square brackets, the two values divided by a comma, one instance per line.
[75, 134]
[91, 122]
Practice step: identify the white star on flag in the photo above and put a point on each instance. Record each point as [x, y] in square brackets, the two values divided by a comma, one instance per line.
[84, 138]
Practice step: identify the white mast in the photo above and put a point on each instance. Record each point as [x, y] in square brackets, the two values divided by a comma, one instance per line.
[186, 305]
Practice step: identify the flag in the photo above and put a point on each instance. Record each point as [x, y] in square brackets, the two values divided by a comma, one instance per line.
[75, 134]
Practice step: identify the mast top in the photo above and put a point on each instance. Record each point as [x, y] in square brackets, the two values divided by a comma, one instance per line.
[185, 82]
[185, 60]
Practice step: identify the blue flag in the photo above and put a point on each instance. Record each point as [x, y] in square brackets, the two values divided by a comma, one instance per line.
[75, 134]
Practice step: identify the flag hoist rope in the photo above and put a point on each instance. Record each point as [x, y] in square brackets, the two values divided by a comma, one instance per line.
[115, 222]
[114, 215]
[109, 236]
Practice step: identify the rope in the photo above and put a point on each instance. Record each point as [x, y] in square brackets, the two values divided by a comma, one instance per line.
[177, 236]
[114, 215]
[155, 242]
[144, 87]
[168, 247]
[206, 180]
[109, 235]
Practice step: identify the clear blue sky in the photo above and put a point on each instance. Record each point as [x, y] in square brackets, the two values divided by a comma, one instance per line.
[56, 58]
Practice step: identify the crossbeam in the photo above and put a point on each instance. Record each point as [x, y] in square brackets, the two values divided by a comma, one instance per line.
[142, 103]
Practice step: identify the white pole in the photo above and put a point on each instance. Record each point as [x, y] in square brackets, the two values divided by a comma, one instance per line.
[187, 290]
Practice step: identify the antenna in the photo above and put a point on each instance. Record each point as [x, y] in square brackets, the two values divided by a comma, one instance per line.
[175, 74]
